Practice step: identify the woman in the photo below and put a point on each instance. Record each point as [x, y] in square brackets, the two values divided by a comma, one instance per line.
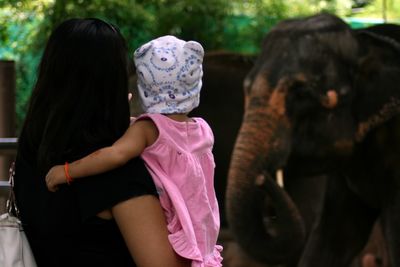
[77, 107]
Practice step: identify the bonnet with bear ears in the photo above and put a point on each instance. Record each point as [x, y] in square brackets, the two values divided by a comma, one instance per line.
[169, 74]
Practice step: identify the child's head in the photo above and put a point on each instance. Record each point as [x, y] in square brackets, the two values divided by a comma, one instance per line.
[169, 74]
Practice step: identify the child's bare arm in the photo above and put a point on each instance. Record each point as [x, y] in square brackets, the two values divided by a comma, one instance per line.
[138, 136]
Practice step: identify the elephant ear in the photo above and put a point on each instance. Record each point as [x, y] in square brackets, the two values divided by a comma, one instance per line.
[377, 77]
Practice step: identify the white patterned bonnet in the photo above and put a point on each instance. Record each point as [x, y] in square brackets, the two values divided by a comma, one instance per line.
[169, 74]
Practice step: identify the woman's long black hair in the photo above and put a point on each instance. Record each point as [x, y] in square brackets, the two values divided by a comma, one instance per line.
[79, 102]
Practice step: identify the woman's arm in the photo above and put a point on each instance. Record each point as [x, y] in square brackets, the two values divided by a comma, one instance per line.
[138, 136]
[143, 226]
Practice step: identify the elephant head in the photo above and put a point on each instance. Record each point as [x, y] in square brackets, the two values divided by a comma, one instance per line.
[316, 90]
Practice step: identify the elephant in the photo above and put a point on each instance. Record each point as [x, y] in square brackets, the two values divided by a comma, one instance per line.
[322, 101]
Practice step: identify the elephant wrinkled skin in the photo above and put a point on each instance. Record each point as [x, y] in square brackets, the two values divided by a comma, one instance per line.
[321, 100]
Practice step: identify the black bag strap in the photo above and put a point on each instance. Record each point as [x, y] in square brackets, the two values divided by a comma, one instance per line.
[11, 206]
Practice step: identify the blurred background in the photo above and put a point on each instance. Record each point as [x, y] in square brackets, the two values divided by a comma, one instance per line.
[230, 25]
[222, 26]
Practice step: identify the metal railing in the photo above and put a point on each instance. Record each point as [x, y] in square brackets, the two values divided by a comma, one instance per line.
[4, 185]
[8, 146]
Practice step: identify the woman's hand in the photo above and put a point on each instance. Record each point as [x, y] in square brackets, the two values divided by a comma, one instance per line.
[129, 100]
[54, 177]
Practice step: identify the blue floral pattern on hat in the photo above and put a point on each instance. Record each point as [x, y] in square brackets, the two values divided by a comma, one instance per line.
[169, 74]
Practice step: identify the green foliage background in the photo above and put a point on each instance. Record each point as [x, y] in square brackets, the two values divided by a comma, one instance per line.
[235, 25]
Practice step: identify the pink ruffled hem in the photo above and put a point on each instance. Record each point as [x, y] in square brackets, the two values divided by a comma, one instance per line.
[183, 247]
[214, 260]
[189, 251]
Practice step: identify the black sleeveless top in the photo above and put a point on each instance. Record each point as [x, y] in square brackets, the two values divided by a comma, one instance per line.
[62, 227]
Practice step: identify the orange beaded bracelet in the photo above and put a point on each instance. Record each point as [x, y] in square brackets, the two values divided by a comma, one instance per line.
[67, 176]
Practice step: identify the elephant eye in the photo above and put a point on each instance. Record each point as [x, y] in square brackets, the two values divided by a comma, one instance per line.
[299, 88]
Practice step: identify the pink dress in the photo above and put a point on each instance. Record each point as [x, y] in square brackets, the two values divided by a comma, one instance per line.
[182, 166]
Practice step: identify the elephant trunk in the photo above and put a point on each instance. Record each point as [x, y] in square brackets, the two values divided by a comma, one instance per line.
[251, 192]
